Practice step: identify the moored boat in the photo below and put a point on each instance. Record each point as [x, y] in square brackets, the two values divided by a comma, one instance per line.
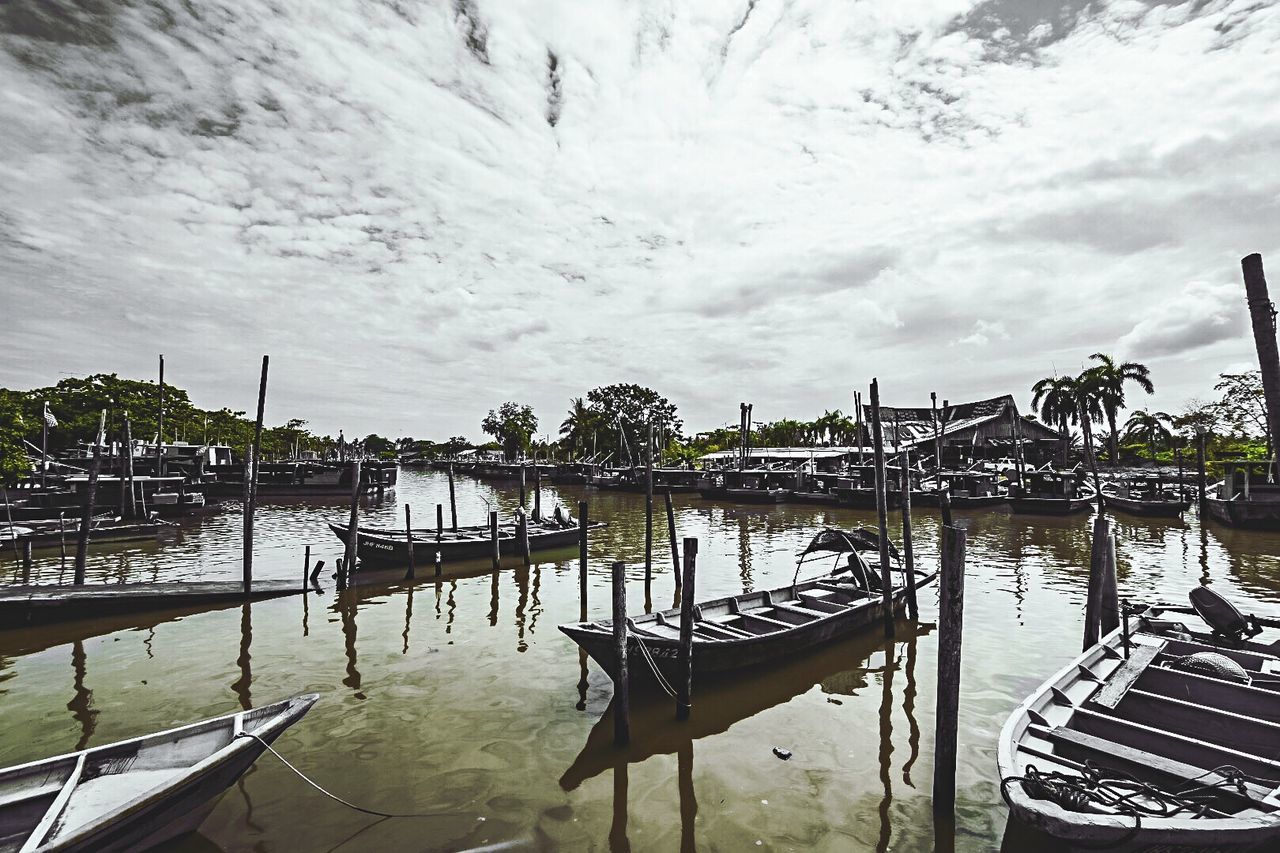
[745, 630]
[1049, 492]
[1166, 737]
[1146, 495]
[138, 793]
[1245, 497]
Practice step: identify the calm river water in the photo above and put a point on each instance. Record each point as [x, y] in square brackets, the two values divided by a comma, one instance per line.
[460, 697]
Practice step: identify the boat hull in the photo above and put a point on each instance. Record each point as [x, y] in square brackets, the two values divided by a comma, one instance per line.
[1163, 509]
[1241, 513]
[757, 496]
[386, 549]
[1049, 506]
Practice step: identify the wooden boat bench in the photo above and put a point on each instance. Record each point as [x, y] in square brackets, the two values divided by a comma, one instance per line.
[1123, 678]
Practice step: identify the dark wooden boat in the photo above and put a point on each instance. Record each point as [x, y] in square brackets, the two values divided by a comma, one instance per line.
[757, 496]
[758, 627]
[824, 498]
[1050, 492]
[101, 531]
[1244, 497]
[1149, 495]
[972, 489]
[137, 793]
[389, 547]
[1166, 738]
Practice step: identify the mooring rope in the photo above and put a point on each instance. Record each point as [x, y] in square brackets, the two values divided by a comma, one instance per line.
[662, 682]
[335, 797]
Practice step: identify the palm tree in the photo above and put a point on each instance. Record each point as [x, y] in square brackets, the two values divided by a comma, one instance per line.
[1055, 398]
[1110, 378]
[1089, 408]
[576, 426]
[1149, 427]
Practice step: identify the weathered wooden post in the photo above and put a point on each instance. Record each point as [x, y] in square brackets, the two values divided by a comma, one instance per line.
[950, 631]
[306, 566]
[26, 560]
[671, 536]
[493, 538]
[1200, 475]
[684, 658]
[353, 527]
[882, 508]
[439, 522]
[648, 509]
[90, 494]
[522, 530]
[1262, 313]
[44, 447]
[537, 489]
[130, 509]
[250, 474]
[408, 541]
[937, 443]
[621, 687]
[62, 541]
[944, 503]
[160, 425]
[1097, 569]
[522, 487]
[583, 525]
[1109, 610]
[907, 549]
[857, 410]
[453, 503]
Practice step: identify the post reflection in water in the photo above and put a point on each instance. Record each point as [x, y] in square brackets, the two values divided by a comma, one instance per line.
[347, 612]
[241, 686]
[688, 799]
[909, 708]
[493, 600]
[744, 554]
[408, 614]
[521, 576]
[81, 704]
[536, 603]
[886, 744]
[618, 841]
[582, 680]
[453, 606]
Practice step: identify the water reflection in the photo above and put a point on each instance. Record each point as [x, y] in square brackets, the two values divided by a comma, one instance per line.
[688, 799]
[242, 685]
[618, 841]
[346, 607]
[81, 704]
[408, 615]
[886, 744]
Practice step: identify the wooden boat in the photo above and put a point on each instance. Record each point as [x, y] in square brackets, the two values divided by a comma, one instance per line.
[1149, 495]
[1164, 738]
[1244, 497]
[101, 531]
[1050, 492]
[757, 496]
[758, 627]
[137, 793]
[390, 547]
[971, 489]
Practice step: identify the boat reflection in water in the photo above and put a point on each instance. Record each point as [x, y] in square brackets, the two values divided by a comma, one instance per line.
[839, 669]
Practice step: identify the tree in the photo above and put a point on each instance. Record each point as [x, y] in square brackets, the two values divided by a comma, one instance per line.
[1243, 405]
[577, 427]
[1148, 427]
[1088, 392]
[623, 414]
[14, 461]
[1109, 379]
[1056, 399]
[511, 425]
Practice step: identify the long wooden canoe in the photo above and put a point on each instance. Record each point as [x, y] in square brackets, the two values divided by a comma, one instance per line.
[1140, 506]
[1171, 743]
[137, 793]
[389, 547]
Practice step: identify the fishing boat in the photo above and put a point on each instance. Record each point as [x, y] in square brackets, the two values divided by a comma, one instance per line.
[969, 489]
[1163, 737]
[101, 530]
[1049, 492]
[1147, 494]
[754, 628]
[379, 546]
[137, 793]
[1247, 496]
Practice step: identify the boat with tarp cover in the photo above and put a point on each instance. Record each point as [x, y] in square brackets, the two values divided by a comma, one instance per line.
[1165, 735]
[754, 628]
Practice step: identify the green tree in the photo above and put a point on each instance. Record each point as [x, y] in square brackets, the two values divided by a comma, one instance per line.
[1243, 406]
[1152, 428]
[1088, 393]
[577, 427]
[511, 425]
[623, 413]
[14, 461]
[1055, 398]
[1109, 380]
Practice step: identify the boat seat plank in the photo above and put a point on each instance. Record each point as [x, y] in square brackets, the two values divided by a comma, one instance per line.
[775, 624]
[822, 604]
[59, 804]
[1174, 714]
[1192, 687]
[728, 629]
[1110, 694]
[800, 610]
[1138, 760]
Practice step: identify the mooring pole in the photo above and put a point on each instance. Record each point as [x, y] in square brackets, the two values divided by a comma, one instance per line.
[453, 503]
[306, 567]
[522, 487]
[684, 659]
[583, 524]
[439, 522]
[950, 631]
[160, 425]
[1262, 313]
[493, 538]
[621, 687]
[44, 447]
[907, 550]
[250, 474]
[90, 494]
[1200, 474]
[62, 541]
[648, 510]
[537, 489]
[671, 536]
[1097, 569]
[937, 443]
[522, 529]
[353, 527]
[882, 508]
[26, 560]
[130, 509]
[1109, 611]
[408, 541]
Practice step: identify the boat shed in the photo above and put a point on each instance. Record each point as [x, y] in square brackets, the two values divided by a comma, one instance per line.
[985, 429]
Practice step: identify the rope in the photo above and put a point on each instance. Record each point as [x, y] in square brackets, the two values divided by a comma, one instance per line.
[662, 682]
[335, 797]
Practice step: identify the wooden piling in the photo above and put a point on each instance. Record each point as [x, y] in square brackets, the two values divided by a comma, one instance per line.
[90, 495]
[522, 485]
[621, 686]
[62, 541]
[671, 536]
[439, 522]
[26, 561]
[907, 550]
[937, 443]
[493, 538]
[353, 527]
[583, 524]
[522, 530]
[1109, 617]
[1200, 473]
[537, 489]
[129, 509]
[684, 657]
[251, 477]
[1097, 570]
[1263, 317]
[453, 503]
[950, 631]
[160, 425]
[648, 509]
[306, 567]
[408, 541]
[882, 507]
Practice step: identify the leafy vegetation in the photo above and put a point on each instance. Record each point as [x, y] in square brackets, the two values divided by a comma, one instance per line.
[512, 425]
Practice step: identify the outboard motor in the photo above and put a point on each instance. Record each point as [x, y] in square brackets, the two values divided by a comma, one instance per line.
[1222, 615]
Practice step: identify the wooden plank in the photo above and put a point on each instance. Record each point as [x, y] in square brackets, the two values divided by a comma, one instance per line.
[1238, 731]
[1125, 675]
[1193, 687]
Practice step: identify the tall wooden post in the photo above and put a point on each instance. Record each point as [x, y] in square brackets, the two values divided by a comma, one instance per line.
[62, 542]
[453, 503]
[132, 511]
[439, 522]
[353, 526]
[493, 539]
[583, 525]
[1097, 571]
[907, 549]
[26, 560]
[44, 446]
[522, 484]
[1200, 475]
[621, 686]
[522, 530]
[882, 508]
[671, 536]
[1109, 610]
[1262, 313]
[684, 658]
[408, 540]
[251, 476]
[950, 632]
[306, 568]
[862, 426]
[537, 489]
[160, 425]
[648, 509]
[937, 443]
[90, 494]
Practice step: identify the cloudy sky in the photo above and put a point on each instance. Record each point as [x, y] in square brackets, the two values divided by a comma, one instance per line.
[421, 208]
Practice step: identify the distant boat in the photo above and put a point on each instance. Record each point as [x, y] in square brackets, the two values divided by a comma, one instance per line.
[1169, 740]
[754, 628]
[1244, 497]
[1147, 494]
[1050, 492]
[971, 489]
[138, 793]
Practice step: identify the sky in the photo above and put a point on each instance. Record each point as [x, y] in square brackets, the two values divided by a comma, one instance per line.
[423, 209]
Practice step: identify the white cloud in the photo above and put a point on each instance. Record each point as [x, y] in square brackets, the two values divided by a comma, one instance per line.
[1200, 315]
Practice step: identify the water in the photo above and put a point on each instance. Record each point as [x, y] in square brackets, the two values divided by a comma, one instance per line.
[460, 697]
